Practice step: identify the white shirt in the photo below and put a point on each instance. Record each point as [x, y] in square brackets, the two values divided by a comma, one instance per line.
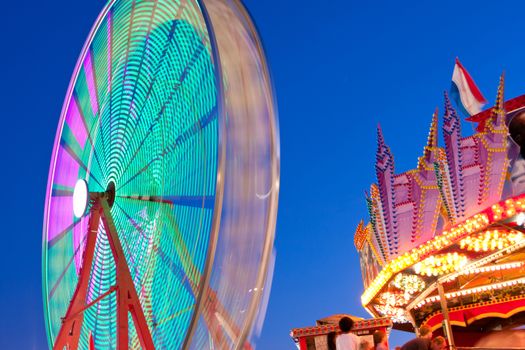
[347, 341]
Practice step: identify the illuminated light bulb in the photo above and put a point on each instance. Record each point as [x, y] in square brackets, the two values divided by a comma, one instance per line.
[520, 219]
[80, 198]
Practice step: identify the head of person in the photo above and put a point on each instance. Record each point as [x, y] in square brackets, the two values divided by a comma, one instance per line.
[425, 332]
[438, 343]
[365, 345]
[346, 324]
[379, 337]
[517, 129]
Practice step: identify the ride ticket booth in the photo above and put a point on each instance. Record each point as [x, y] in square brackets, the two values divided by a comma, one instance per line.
[315, 337]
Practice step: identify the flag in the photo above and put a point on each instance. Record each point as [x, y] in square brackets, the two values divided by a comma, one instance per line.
[465, 92]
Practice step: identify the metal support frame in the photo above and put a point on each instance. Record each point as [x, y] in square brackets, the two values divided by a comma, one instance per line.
[127, 298]
[215, 316]
[446, 321]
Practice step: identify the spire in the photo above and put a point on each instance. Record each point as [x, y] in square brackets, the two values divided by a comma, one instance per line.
[450, 118]
[452, 138]
[384, 159]
[432, 141]
[448, 106]
[385, 187]
[498, 111]
[380, 138]
[499, 105]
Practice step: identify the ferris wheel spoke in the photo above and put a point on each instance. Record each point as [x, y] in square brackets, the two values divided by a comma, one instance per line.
[174, 315]
[102, 138]
[61, 191]
[181, 139]
[68, 265]
[62, 233]
[168, 100]
[189, 268]
[206, 202]
[89, 131]
[79, 161]
[143, 234]
[91, 77]
[133, 222]
[154, 199]
[125, 65]
[176, 270]
[160, 62]
[131, 260]
[141, 61]
[148, 133]
[165, 258]
[188, 264]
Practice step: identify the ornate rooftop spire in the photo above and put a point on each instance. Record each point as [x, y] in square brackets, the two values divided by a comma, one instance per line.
[384, 158]
[455, 201]
[451, 122]
[432, 141]
[433, 134]
[385, 184]
[498, 112]
[498, 106]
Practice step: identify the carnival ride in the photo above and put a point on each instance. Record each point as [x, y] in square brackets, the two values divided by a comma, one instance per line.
[162, 193]
[445, 244]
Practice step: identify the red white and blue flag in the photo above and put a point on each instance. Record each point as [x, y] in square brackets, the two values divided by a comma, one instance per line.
[465, 92]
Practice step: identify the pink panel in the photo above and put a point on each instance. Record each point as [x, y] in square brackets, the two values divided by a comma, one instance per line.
[61, 217]
[75, 123]
[68, 173]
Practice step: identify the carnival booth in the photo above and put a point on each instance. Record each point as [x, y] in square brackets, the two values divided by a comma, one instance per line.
[445, 242]
[316, 337]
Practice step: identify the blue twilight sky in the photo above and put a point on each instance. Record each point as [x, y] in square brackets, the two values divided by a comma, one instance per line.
[339, 68]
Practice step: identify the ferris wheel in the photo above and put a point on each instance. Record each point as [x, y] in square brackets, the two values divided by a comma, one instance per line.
[162, 193]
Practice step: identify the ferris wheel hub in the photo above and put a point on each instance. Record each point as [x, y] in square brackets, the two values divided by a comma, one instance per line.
[110, 193]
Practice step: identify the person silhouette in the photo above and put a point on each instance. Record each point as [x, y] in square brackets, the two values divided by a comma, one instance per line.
[347, 340]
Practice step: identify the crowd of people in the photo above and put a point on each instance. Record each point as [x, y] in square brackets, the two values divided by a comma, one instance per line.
[349, 341]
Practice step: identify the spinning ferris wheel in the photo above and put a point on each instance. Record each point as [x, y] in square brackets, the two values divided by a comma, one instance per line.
[162, 193]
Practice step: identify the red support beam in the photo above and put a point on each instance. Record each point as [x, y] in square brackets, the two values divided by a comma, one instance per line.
[127, 298]
[69, 333]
